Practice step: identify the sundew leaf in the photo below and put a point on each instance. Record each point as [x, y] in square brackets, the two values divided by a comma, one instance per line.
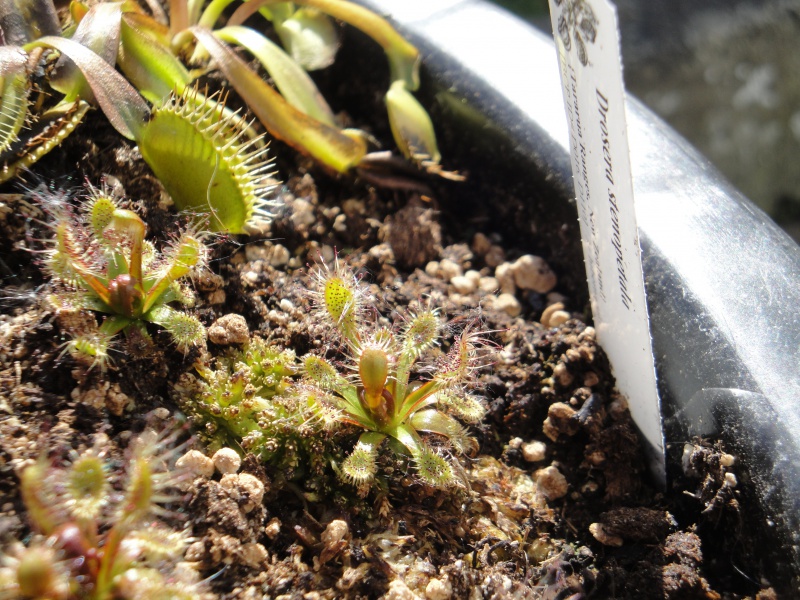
[332, 147]
[291, 80]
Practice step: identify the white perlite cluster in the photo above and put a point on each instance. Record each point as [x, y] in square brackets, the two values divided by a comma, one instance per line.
[527, 273]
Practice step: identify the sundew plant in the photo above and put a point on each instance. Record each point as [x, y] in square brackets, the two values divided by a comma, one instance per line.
[414, 415]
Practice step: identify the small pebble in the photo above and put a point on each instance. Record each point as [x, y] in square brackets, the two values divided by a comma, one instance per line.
[254, 555]
[515, 443]
[273, 528]
[248, 487]
[508, 304]
[494, 257]
[286, 305]
[438, 590]
[560, 419]
[591, 379]
[398, 590]
[554, 315]
[216, 297]
[335, 532]
[227, 460]
[302, 214]
[328, 254]
[505, 278]
[481, 244]
[562, 375]
[254, 252]
[340, 223]
[279, 256]
[488, 285]
[534, 451]
[533, 273]
[449, 269]
[229, 329]
[601, 535]
[551, 483]
[474, 276]
[463, 284]
[432, 268]
[196, 463]
[559, 317]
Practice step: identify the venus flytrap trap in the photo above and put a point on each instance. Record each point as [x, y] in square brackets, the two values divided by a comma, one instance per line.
[94, 543]
[185, 131]
[102, 262]
[380, 397]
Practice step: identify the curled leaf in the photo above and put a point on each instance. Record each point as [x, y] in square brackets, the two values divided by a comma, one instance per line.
[403, 56]
[293, 82]
[123, 106]
[411, 125]
[329, 145]
[98, 31]
[309, 37]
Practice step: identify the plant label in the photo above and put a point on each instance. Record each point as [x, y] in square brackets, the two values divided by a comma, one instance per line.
[587, 41]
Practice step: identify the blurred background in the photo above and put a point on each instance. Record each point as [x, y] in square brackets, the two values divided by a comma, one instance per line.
[726, 75]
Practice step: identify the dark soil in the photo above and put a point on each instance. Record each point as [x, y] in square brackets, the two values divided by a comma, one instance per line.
[580, 520]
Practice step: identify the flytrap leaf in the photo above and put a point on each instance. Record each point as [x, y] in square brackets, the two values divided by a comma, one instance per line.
[207, 162]
[338, 150]
[14, 88]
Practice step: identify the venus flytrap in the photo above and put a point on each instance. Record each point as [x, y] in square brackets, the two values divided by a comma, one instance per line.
[380, 396]
[151, 55]
[103, 263]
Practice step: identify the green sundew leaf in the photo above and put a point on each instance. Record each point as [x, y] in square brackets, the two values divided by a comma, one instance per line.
[38, 496]
[123, 106]
[433, 421]
[98, 31]
[408, 437]
[360, 467]
[186, 330]
[147, 62]
[185, 255]
[324, 374]
[87, 486]
[434, 469]
[113, 325]
[411, 125]
[403, 56]
[291, 80]
[14, 87]
[466, 407]
[436, 422]
[310, 37]
[330, 146]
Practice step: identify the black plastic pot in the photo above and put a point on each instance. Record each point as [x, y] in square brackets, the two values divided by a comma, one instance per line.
[722, 280]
